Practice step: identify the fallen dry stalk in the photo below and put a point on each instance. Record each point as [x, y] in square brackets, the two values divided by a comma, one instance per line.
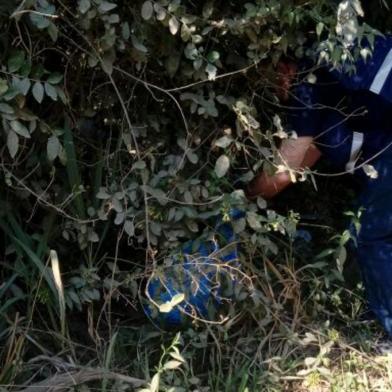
[62, 381]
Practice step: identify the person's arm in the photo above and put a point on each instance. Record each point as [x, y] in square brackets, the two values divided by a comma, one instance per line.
[294, 153]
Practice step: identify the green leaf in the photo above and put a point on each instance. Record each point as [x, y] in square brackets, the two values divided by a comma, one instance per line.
[239, 225]
[3, 86]
[114, 19]
[365, 53]
[222, 165]
[174, 25]
[309, 361]
[174, 6]
[53, 31]
[147, 10]
[11, 93]
[103, 194]
[62, 95]
[92, 61]
[154, 386]
[319, 28]
[193, 158]
[125, 31]
[253, 220]
[325, 253]
[7, 109]
[197, 63]
[356, 4]
[22, 85]
[20, 129]
[138, 45]
[25, 69]
[12, 143]
[38, 92]
[160, 11]
[156, 228]
[370, 171]
[53, 148]
[213, 56]
[107, 62]
[84, 6]
[32, 126]
[211, 71]
[39, 21]
[177, 356]
[208, 9]
[168, 306]
[157, 193]
[191, 51]
[119, 218]
[140, 165]
[50, 91]
[171, 365]
[224, 141]
[261, 203]
[129, 228]
[105, 6]
[172, 64]
[16, 61]
[55, 78]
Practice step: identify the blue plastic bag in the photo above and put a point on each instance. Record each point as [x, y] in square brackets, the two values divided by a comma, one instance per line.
[191, 287]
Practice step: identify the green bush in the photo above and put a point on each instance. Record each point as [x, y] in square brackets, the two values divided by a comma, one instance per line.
[131, 126]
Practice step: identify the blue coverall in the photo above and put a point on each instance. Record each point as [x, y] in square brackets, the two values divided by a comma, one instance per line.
[349, 117]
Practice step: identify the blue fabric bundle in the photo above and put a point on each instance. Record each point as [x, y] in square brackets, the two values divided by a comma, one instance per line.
[198, 274]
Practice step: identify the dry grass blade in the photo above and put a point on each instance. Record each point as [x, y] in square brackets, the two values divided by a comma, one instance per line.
[59, 286]
[62, 381]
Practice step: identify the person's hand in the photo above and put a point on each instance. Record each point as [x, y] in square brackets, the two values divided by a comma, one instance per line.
[267, 186]
[295, 154]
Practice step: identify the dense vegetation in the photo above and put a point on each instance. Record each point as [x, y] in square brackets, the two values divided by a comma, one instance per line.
[129, 127]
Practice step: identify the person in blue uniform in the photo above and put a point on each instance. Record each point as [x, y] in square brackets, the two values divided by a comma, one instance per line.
[348, 119]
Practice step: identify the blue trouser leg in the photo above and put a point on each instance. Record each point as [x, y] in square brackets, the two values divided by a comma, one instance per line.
[376, 268]
[375, 240]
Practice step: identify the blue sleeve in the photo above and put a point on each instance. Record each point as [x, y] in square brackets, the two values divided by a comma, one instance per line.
[373, 74]
[335, 139]
[305, 113]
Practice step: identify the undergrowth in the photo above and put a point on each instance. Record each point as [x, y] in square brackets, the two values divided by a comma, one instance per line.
[304, 330]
